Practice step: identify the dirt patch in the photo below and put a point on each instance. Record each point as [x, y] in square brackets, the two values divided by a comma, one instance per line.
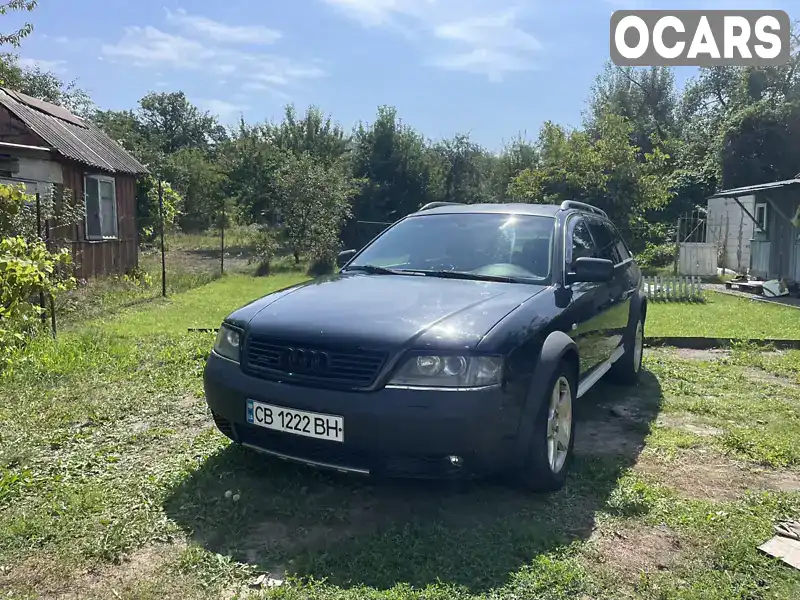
[631, 551]
[701, 355]
[49, 582]
[761, 376]
[707, 475]
[616, 427]
[689, 424]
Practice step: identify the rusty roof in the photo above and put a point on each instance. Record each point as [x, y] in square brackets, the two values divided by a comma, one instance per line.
[70, 136]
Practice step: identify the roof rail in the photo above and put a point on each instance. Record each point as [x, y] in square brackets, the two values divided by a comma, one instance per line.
[583, 206]
[438, 204]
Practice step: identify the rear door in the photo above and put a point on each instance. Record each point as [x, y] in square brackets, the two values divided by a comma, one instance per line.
[620, 288]
[590, 300]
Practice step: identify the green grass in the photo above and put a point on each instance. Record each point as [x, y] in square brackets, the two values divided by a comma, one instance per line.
[114, 483]
[723, 316]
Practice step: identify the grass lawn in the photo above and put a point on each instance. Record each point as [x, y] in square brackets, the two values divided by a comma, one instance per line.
[114, 484]
[723, 316]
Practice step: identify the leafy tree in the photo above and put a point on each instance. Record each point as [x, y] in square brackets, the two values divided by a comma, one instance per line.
[645, 97]
[313, 203]
[314, 134]
[169, 122]
[44, 85]
[465, 168]
[517, 156]
[390, 159]
[603, 170]
[15, 37]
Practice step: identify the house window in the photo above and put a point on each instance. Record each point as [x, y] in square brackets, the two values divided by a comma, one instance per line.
[101, 207]
[761, 215]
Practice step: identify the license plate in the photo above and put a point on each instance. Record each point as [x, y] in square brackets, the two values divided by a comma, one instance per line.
[298, 422]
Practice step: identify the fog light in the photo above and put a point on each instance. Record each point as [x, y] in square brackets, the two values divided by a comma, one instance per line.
[456, 461]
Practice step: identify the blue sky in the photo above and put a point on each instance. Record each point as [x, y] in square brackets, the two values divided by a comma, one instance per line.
[492, 68]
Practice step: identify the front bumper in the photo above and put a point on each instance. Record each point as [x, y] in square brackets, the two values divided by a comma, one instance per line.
[390, 432]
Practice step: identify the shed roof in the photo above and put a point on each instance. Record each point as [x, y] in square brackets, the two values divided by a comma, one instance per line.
[70, 136]
[747, 190]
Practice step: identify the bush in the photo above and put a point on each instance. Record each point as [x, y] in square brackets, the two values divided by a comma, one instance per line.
[265, 246]
[26, 270]
[324, 265]
[656, 255]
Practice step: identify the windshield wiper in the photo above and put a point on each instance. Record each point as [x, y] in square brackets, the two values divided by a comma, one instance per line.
[375, 270]
[469, 276]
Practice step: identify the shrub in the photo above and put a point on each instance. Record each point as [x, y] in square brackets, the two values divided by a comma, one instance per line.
[265, 246]
[656, 255]
[26, 270]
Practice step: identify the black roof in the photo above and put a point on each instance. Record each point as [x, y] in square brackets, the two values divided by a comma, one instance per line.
[539, 210]
[70, 136]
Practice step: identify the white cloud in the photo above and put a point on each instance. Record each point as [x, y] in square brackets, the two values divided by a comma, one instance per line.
[476, 36]
[53, 66]
[144, 46]
[153, 48]
[226, 111]
[221, 32]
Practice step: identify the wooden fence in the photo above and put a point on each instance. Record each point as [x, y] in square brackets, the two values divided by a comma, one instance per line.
[673, 288]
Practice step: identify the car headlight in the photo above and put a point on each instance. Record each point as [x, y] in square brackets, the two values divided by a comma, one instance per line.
[227, 342]
[449, 371]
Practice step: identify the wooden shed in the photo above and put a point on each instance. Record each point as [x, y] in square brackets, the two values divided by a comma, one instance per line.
[50, 150]
[775, 215]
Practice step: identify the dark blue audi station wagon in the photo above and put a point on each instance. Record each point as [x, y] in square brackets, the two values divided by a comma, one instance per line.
[455, 344]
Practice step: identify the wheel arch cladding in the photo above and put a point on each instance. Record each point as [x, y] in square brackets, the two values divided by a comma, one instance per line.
[556, 347]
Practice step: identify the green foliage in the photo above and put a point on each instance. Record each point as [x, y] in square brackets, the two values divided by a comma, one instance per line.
[604, 170]
[313, 204]
[26, 270]
[15, 37]
[44, 85]
[150, 218]
[656, 255]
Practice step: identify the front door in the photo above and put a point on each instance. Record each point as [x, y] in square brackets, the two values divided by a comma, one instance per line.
[590, 300]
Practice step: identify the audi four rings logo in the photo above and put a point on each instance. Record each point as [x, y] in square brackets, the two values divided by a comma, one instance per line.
[307, 361]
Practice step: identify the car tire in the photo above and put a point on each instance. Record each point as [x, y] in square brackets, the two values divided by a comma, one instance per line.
[627, 369]
[548, 454]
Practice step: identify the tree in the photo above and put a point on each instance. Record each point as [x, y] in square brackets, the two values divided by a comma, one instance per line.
[601, 169]
[645, 97]
[313, 203]
[44, 85]
[314, 134]
[390, 159]
[15, 37]
[517, 156]
[169, 122]
[465, 168]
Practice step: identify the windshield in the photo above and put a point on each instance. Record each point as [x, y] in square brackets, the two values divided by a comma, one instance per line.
[493, 245]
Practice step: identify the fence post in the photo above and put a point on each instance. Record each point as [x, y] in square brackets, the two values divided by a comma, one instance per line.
[677, 246]
[163, 257]
[222, 241]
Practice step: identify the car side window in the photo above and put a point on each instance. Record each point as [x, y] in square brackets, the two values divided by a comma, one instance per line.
[622, 248]
[604, 238]
[582, 243]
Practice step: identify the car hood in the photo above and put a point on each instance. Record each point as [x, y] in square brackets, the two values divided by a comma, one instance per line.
[385, 311]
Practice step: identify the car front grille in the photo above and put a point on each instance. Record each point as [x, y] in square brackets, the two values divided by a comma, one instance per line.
[340, 367]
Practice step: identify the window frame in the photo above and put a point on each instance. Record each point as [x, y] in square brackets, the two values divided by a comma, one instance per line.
[569, 227]
[765, 207]
[115, 220]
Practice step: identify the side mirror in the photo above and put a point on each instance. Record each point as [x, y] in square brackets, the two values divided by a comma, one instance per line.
[586, 269]
[344, 257]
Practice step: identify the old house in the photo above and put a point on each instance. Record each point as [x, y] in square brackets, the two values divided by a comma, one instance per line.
[50, 150]
[772, 211]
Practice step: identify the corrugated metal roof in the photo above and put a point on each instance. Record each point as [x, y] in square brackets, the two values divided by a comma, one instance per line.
[77, 139]
[747, 190]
